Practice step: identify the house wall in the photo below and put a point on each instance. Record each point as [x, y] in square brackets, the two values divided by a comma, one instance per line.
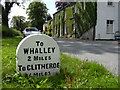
[119, 15]
[0, 16]
[104, 13]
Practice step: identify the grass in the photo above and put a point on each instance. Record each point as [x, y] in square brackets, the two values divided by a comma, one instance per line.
[74, 73]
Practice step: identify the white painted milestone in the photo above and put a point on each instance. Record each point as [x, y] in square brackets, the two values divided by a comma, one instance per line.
[38, 55]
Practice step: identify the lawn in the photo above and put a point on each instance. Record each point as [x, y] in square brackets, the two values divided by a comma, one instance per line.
[74, 73]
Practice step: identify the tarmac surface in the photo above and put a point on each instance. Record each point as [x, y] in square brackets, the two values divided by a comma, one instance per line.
[102, 52]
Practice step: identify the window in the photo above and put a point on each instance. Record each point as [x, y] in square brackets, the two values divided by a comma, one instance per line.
[109, 26]
[59, 16]
[110, 3]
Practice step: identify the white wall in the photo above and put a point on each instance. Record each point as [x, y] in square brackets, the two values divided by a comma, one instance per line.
[119, 16]
[104, 13]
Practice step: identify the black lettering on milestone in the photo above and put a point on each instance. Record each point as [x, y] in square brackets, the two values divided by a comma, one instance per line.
[36, 50]
[58, 65]
[28, 67]
[26, 50]
[29, 58]
[35, 74]
[54, 65]
[31, 50]
[42, 66]
[42, 73]
[37, 42]
[53, 50]
[45, 57]
[42, 58]
[32, 68]
[50, 65]
[49, 50]
[20, 67]
[38, 66]
[24, 68]
[29, 74]
[45, 73]
[35, 58]
[41, 44]
[49, 57]
[40, 51]
[49, 73]
[44, 50]
[46, 66]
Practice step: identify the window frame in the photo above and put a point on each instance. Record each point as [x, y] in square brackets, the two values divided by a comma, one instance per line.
[109, 23]
[110, 4]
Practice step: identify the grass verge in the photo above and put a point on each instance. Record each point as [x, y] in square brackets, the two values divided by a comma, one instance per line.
[74, 73]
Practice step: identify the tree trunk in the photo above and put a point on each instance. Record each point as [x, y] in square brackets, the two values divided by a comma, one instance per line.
[6, 11]
[4, 18]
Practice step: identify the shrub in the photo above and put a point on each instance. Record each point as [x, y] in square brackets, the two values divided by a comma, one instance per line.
[7, 32]
[16, 32]
[49, 33]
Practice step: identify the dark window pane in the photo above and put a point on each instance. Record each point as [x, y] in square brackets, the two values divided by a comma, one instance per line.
[111, 21]
[107, 21]
[110, 3]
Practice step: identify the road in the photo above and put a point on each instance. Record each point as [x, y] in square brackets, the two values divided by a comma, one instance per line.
[103, 52]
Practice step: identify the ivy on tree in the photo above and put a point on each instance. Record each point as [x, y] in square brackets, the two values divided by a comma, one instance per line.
[6, 10]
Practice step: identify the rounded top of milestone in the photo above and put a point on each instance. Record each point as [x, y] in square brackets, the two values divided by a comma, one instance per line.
[38, 55]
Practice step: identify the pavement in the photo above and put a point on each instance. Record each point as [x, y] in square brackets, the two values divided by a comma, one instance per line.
[102, 52]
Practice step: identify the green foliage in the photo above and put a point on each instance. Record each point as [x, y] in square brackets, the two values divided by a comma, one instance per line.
[7, 32]
[69, 14]
[23, 81]
[18, 22]
[49, 33]
[74, 73]
[48, 28]
[49, 17]
[83, 74]
[86, 16]
[37, 12]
